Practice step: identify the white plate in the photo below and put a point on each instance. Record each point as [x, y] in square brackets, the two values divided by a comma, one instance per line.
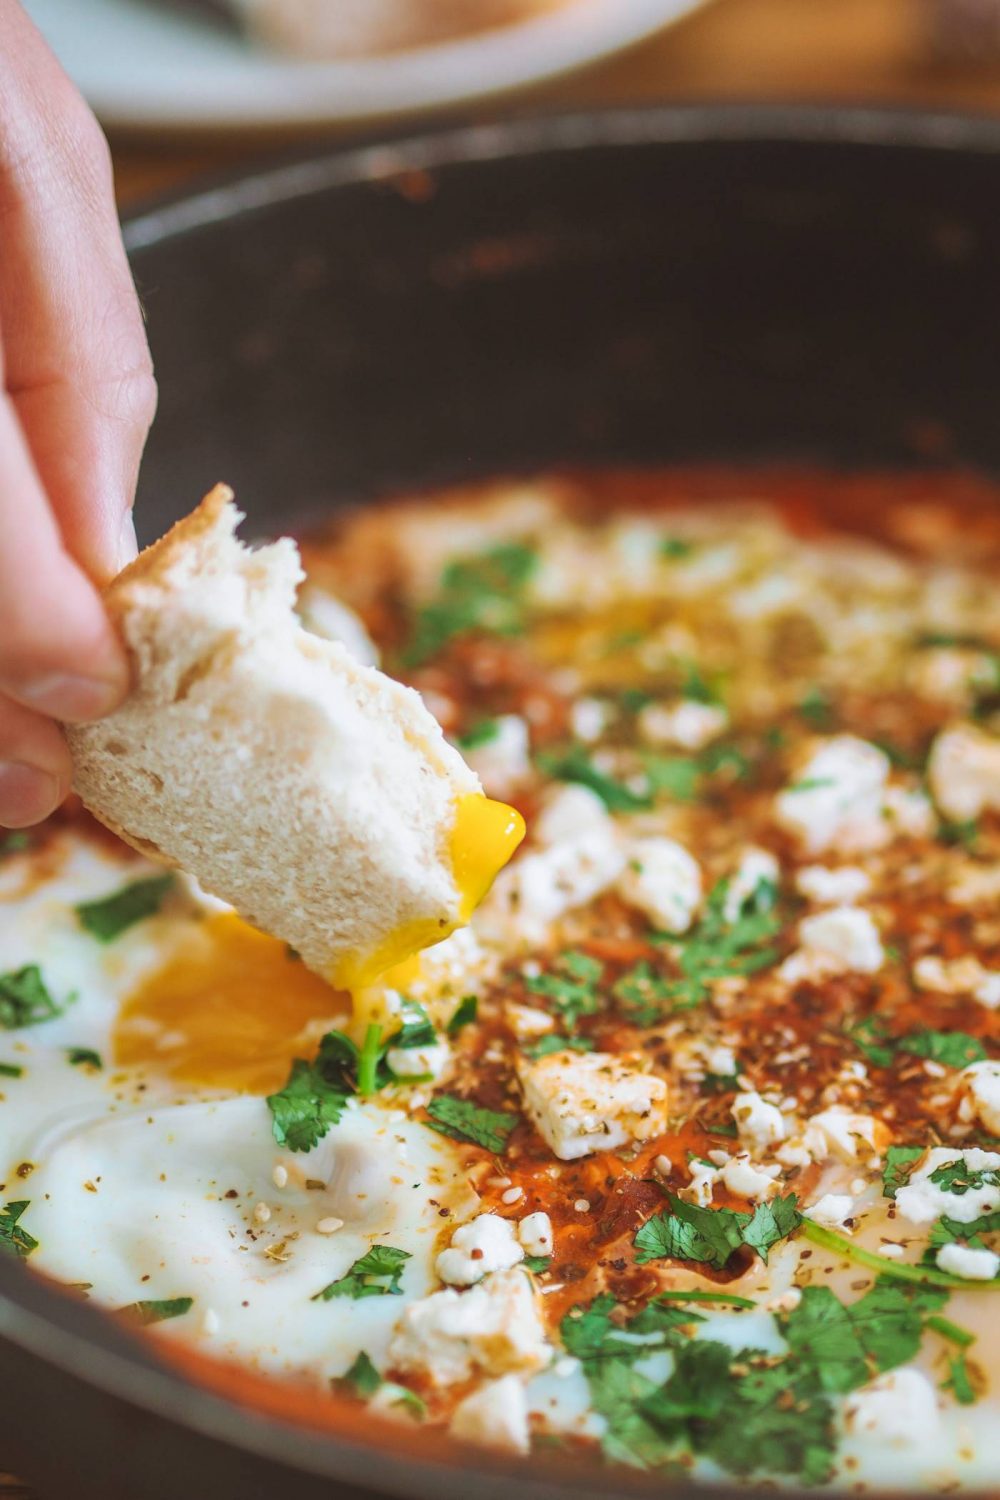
[146, 67]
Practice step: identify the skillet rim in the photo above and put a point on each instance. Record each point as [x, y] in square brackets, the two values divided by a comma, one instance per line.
[82, 1343]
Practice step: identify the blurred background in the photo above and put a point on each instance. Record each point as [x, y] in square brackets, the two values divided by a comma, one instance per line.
[186, 87]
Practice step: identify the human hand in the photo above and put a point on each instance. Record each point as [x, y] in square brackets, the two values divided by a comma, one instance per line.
[76, 399]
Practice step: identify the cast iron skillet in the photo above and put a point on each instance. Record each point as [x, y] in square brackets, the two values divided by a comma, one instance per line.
[660, 286]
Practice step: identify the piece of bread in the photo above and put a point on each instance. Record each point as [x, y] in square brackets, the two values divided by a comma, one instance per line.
[313, 793]
[358, 28]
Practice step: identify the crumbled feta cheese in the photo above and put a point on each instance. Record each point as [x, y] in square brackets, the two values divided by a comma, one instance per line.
[841, 1132]
[537, 889]
[688, 724]
[495, 1327]
[527, 1022]
[756, 867]
[838, 887]
[899, 1410]
[958, 976]
[663, 881]
[494, 1416]
[832, 1210]
[487, 1243]
[847, 934]
[504, 760]
[592, 1101]
[922, 1201]
[975, 884]
[972, 1264]
[980, 1083]
[964, 772]
[836, 800]
[909, 812]
[588, 719]
[535, 1234]
[704, 1176]
[749, 1181]
[719, 1059]
[759, 1123]
[417, 1062]
[324, 615]
[568, 811]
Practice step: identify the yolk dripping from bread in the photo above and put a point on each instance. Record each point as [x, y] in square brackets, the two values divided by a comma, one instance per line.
[232, 1007]
[484, 836]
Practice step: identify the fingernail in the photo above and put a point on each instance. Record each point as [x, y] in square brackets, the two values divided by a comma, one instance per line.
[26, 794]
[128, 546]
[74, 699]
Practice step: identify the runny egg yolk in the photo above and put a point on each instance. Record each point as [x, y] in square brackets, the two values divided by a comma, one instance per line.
[230, 1009]
[484, 836]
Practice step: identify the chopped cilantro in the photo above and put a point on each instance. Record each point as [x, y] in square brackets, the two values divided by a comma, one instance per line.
[955, 1177]
[13, 1238]
[849, 1344]
[617, 1392]
[717, 948]
[376, 1274]
[675, 776]
[25, 999]
[483, 733]
[83, 1057]
[815, 707]
[811, 784]
[11, 1070]
[363, 1380]
[148, 1312]
[369, 1057]
[956, 1049]
[556, 1043]
[712, 1235]
[107, 918]
[479, 593]
[696, 686]
[574, 764]
[465, 1013]
[958, 1381]
[644, 994]
[465, 1121]
[871, 1037]
[14, 843]
[964, 833]
[537, 1264]
[899, 1162]
[675, 547]
[315, 1095]
[572, 986]
[417, 1030]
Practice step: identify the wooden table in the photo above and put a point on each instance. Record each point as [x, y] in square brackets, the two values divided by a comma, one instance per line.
[847, 50]
[792, 50]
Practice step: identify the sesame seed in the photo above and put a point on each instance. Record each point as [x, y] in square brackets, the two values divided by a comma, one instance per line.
[210, 1322]
[498, 1182]
[663, 1165]
[891, 1251]
[329, 1226]
[261, 1213]
[280, 1176]
[512, 1194]
[582, 1205]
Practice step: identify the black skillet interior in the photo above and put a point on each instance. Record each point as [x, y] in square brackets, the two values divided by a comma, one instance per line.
[659, 286]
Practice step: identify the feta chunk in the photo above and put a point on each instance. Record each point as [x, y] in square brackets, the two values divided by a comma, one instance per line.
[527, 1022]
[495, 1327]
[980, 1084]
[749, 1181]
[583, 1102]
[759, 1124]
[832, 1210]
[537, 889]
[973, 1265]
[846, 934]
[841, 1132]
[959, 976]
[840, 887]
[535, 1234]
[704, 1176]
[899, 1410]
[964, 772]
[909, 812]
[588, 719]
[417, 1062]
[663, 881]
[494, 1416]
[756, 867]
[504, 760]
[568, 811]
[922, 1201]
[836, 800]
[486, 1244]
[688, 724]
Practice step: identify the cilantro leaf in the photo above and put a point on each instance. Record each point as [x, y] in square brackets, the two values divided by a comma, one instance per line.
[676, 546]
[376, 1274]
[574, 764]
[572, 986]
[537, 1264]
[717, 948]
[83, 1057]
[478, 593]
[556, 1043]
[956, 1049]
[955, 1177]
[483, 733]
[595, 1332]
[617, 1393]
[465, 1013]
[850, 1344]
[644, 994]
[25, 999]
[465, 1121]
[712, 1235]
[417, 1029]
[147, 1312]
[112, 915]
[363, 1380]
[14, 843]
[11, 1070]
[871, 1037]
[315, 1095]
[675, 776]
[13, 1238]
[898, 1166]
